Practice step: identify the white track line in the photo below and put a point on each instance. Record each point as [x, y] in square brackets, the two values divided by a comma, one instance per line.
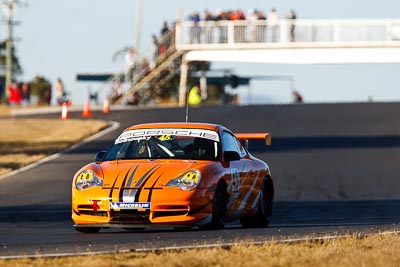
[177, 248]
[113, 126]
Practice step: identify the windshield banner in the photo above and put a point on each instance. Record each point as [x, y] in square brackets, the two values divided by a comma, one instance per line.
[144, 134]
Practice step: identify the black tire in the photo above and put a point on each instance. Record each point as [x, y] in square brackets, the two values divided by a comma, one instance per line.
[88, 230]
[263, 216]
[219, 209]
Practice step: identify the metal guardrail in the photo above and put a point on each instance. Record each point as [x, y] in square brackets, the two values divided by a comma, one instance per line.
[287, 33]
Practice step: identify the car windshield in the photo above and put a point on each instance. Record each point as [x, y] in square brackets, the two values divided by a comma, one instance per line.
[165, 144]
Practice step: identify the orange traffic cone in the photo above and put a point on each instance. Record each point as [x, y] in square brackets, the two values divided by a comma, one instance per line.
[106, 106]
[64, 111]
[86, 110]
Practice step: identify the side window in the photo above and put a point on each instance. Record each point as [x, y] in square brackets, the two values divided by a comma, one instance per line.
[242, 151]
[231, 143]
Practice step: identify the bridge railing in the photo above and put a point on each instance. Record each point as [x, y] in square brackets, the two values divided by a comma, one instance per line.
[287, 33]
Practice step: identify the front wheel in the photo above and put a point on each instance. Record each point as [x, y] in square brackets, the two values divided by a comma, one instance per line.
[87, 230]
[263, 216]
[219, 209]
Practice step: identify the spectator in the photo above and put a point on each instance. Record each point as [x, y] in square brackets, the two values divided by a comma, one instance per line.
[292, 17]
[208, 31]
[134, 99]
[221, 16]
[130, 64]
[208, 16]
[60, 92]
[94, 97]
[165, 42]
[14, 94]
[195, 30]
[252, 18]
[26, 94]
[164, 29]
[156, 51]
[261, 15]
[273, 20]
[47, 95]
[144, 67]
[240, 31]
[297, 97]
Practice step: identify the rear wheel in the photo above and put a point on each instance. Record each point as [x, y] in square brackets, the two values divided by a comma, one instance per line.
[219, 208]
[263, 216]
[88, 230]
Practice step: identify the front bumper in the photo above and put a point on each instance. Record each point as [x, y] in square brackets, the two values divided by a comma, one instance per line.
[169, 207]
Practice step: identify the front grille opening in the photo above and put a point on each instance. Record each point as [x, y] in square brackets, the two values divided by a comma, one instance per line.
[85, 207]
[166, 211]
[130, 216]
[93, 213]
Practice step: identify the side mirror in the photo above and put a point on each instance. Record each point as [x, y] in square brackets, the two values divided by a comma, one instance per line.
[231, 156]
[99, 156]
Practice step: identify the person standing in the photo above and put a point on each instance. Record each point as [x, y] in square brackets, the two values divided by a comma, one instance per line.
[155, 48]
[195, 29]
[292, 17]
[26, 94]
[164, 42]
[130, 64]
[14, 94]
[297, 97]
[272, 22]
[60, 91]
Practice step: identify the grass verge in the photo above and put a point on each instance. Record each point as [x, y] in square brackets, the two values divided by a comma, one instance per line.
[23, 141]
[378, 250]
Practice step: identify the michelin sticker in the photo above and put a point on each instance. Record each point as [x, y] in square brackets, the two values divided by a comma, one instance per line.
[129, 205]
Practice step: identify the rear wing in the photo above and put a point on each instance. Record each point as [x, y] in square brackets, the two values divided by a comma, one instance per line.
[254, 136]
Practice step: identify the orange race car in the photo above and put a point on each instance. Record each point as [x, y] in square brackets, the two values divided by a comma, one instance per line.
[175, 175]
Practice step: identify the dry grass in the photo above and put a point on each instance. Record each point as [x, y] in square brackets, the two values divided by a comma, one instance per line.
[380, 250]
[23, 141]
[4, 110]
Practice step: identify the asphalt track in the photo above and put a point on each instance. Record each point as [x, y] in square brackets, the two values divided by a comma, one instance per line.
[335, 166]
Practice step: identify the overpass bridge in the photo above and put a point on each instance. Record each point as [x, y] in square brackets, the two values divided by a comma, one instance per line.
[350, 41]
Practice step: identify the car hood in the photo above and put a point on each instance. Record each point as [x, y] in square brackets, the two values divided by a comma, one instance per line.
[144, 173]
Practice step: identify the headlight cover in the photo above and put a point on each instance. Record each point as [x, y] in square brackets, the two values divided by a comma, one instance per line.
[188, 181]
[87, 179]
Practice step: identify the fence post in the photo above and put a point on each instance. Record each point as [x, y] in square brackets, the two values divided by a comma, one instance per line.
[231, 33]
[283, 35]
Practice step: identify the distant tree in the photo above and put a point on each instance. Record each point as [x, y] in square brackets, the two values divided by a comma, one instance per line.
[41, 88]
[17, 70]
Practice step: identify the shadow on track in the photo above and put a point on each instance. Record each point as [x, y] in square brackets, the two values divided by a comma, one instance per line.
[35, 213]
[323, 213]
[286, 214]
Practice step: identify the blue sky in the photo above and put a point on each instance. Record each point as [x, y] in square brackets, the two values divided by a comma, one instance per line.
[63, 38]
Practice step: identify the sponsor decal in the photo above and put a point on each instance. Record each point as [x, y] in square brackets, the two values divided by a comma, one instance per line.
[129, 205]
[166, 134]
[235, 180]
